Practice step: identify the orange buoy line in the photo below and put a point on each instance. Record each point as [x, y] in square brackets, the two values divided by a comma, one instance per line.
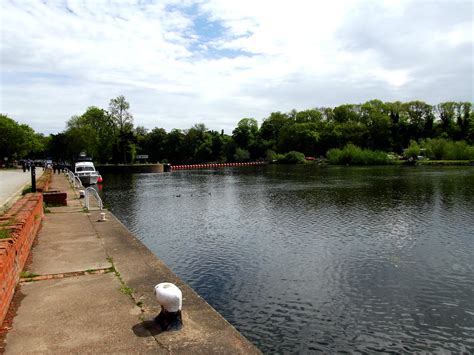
[214, 165]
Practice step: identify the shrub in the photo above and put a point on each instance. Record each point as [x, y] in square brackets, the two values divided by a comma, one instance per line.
[292, 157]
[353, 155]
[443, 149]
[413, 150]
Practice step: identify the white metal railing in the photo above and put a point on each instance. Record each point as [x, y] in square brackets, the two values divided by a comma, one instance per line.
[90, 191]
[74, 179]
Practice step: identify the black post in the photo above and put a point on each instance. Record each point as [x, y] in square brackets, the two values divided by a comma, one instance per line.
[33, 178]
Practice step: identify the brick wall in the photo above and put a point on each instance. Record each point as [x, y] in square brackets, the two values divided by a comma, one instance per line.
[42, 184]
[21, 223]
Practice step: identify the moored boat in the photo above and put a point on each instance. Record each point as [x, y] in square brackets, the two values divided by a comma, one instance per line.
[85, 170]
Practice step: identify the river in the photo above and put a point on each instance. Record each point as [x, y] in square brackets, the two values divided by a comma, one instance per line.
[304, 259]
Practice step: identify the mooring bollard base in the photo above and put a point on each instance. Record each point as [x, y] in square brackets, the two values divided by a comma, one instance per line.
[169, 320]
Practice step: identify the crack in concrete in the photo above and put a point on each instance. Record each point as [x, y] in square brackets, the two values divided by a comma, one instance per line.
[66, 274]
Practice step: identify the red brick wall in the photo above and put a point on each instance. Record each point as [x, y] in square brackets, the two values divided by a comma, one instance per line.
[22, 221]
[42, 184]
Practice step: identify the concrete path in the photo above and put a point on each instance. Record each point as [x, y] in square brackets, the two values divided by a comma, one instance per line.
[12, 182]
[93, 294]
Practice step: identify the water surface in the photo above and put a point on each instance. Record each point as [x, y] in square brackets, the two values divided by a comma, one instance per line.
[304, 259]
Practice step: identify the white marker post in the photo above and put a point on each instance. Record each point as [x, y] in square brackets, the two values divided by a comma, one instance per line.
[170, 297]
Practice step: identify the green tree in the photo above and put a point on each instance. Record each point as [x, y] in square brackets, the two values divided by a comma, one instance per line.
[93, 132]
[18, 140]
[446, 113]
[421, 118]
[118, 110]
[302, 137]
[413, 150]
[245, 133]
[271, 127]
[154, 145]
[463, 118]
[125, 144]
[174, 150]
[241, 155]
[346, 113]
[375, 116]
[309, 116]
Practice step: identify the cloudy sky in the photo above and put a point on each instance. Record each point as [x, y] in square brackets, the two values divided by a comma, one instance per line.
[181, 62]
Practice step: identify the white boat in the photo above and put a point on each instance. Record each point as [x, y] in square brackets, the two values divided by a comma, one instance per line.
[85, 171]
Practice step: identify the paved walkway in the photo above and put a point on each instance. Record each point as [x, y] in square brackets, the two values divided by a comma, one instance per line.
[93, 294]
[12, 182]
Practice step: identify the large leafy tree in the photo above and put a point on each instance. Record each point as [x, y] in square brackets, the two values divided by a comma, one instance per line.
[245, 133]
[154, 145]
[123, 120]
[18, 140]
[271, 127]
[118, 109]
[93, 132]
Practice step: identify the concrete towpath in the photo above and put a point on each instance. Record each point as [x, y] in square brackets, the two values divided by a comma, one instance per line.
[90, 290]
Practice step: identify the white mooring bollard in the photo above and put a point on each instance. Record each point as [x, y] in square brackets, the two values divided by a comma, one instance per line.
[170, 297]
[102, 217]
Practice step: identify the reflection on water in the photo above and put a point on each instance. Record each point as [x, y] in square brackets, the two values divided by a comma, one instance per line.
[302, 259]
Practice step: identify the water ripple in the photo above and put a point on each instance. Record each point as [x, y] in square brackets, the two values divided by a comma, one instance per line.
[318, 260]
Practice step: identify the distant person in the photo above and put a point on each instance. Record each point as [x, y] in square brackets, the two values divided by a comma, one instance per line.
[23, 165]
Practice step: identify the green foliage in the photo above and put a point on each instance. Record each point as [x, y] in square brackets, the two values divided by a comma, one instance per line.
[126, 290]
[241, 155]
[18, 141]
[27, 275]
[110, 137]
[303, 137]
[292, 157]
[353, 155]
[270, 155]
[245, 133]
[26, 190]
[4, 234]
[442, 149]
[413, 150]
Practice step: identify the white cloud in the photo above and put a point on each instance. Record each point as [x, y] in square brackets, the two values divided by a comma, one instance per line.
[271, 55]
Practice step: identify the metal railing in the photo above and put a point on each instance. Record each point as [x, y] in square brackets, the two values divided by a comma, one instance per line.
[90, 191]
[74, 179]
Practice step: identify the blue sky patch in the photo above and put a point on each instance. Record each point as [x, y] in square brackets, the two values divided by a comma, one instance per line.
[209, 32]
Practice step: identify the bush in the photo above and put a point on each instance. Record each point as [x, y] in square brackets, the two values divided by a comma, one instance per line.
[442, 149]
[413, 150]
[353, 155]
[292, 157]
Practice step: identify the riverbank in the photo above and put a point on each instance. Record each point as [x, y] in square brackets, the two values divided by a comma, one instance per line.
[93, 293]
[438, 163]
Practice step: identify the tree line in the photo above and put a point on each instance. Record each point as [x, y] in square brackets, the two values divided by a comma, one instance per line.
[109, 136]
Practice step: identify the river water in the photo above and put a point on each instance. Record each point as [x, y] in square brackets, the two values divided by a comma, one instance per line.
[303, 259]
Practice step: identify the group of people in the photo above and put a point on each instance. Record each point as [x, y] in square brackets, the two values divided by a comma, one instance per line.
[58, 167]
[26, 164]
